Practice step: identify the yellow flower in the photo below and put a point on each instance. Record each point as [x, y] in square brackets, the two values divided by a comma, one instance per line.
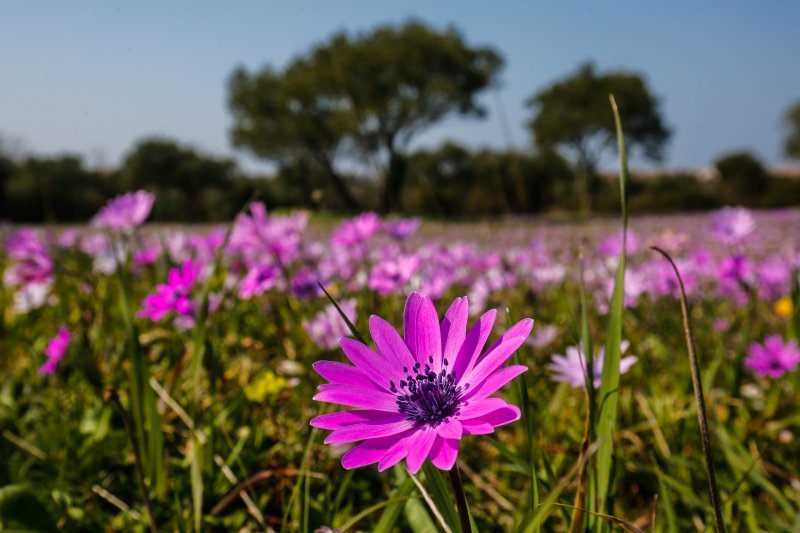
[266, 384]
[784, 307]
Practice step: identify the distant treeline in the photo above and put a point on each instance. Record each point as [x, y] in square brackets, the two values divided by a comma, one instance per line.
[451, 181]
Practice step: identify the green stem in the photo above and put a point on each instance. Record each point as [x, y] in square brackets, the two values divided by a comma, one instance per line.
[461, 500]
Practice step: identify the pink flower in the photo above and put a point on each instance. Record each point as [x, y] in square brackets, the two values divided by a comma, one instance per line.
[327, 326]
[402, 228]
[126, 211]
[30, 261]
[732, 225]
[774, 357]
[258, 280]
[173, 295]
[572, 367]
[55, 351]
[417, 396]
[357, 230]
[393, 274]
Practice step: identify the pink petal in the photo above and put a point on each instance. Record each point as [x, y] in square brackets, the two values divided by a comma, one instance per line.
[477, 428]
[348, 418]
[419, 445]
[370, 430]
[424, 334]
[397, 452]
[356, 397]
[494, 382]
[450, 428]
[478, 408]
[410, 318]
[498, 417]
[390, 345]
[444, 453]
[368, 452]
[367, 361]
[342, 374]
[473, 343]
[454, 329]
[498, 353]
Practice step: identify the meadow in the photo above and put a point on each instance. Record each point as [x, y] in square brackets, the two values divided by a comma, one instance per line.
[169, 378]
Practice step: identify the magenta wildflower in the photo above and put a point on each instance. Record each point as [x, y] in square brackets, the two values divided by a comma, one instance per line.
[357, 230]
[258, 280]
[126, 211]
[174, 295]
[571, 368]
[31, 263]
[774, 357]
[55, 351]
[417, 396]
[732, 225]
[392, 274]
[402, 227]
[327, 326]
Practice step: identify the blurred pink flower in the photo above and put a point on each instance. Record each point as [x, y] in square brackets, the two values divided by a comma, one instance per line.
[732, 225]
[572, 369]
[393, 274]
[327, 327]
[774, 357]
[173, 296]
[55, 351]
[126, 211]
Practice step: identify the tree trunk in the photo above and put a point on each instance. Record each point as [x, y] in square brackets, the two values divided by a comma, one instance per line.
[393, 187]
[341, 187]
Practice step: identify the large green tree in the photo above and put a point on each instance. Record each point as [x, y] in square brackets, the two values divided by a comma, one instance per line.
[360, 99]
[573, 115]
[792, 119]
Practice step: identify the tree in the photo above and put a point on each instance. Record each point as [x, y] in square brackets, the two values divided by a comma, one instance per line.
[573, 115]
[183, 179]
[792, 119]
[743, 177]
[360, 99]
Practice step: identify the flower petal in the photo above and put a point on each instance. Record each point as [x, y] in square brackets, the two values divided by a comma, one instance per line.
[397, 452]
[367, 361]
[425, 341]
[473, 343]
[450, 428]
[494, 382]
[478, 408]
[342, 374]
[444, 453]
[498, 417]
[370, 430]
[498, 353]
[356, 397]
[454, 329]
[419, 446]
[368, 452]
[410, 318]
[390, 345]
[347, 418]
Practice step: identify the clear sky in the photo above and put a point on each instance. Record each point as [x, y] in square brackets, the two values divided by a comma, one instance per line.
[92, 77]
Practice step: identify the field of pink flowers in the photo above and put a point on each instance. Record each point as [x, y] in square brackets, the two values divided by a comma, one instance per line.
[282, 373]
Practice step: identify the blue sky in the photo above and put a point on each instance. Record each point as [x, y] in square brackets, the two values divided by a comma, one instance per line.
[93, 77]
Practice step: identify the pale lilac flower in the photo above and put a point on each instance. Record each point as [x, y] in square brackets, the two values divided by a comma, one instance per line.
[393, 274]
[417, 396]
[258, 280]
[173, 296]
[279, 238]
[774, 277]
[543, 336]
[126, 211]
[571, 368]
[732, 225]
[402, 227]
[30, 261]
[774, 357]
[327, 327]
[55, 351]
[357, 230]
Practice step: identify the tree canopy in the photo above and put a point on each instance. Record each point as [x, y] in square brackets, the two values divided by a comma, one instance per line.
[360, 99]
[573, 115]
[792, 146]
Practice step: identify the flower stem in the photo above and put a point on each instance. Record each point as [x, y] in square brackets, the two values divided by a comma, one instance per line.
[461, 500]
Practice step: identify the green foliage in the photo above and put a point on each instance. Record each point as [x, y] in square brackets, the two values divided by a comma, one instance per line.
[792, 121]
[572, 114]
[742, 176]
[360, 98]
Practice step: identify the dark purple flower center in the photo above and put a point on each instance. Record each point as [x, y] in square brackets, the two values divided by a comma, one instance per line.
[425, 396]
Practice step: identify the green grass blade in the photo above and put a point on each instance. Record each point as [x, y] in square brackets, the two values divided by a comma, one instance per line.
[608, 395]
[393, 511]
[441, 495]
